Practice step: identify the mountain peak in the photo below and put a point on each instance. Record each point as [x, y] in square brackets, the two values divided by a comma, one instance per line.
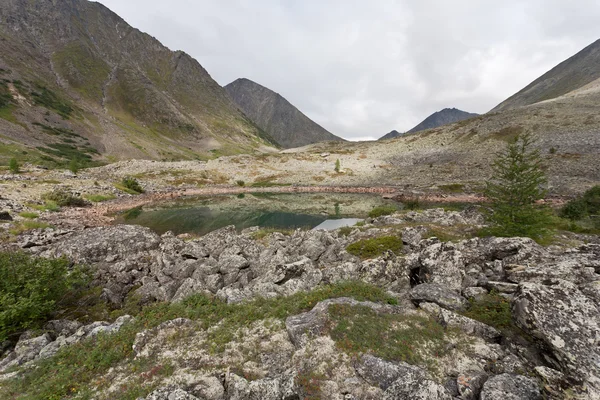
[275, 115]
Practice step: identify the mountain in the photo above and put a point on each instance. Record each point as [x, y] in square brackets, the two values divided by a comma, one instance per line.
[443, 117]
[276, 116]
[77, 80]
[571, 74]
[391, 135]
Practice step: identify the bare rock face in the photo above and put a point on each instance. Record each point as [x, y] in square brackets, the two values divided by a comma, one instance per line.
[566, 322]
[434, 293]
[510, 387]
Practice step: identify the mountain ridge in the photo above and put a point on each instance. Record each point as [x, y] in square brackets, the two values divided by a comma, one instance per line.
[148, 101]
[274, 114]
[435, 120]
[567, 76]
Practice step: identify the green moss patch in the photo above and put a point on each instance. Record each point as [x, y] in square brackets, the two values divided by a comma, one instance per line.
[359, 329]
[382, 210]
[371, 248]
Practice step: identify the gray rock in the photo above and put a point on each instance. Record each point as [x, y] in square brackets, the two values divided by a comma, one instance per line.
[62, 327]
[415, 386]
[170, 393]
[5, 216]
[383, 373]
[566, 321]
[474, 292]
[468, 325]
[510, 387]
[470, 384]
[434, 293]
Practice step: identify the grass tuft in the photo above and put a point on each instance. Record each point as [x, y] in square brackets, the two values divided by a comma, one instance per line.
[371, 248]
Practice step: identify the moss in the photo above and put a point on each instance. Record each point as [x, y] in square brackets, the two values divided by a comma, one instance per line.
[29, 215]
[98, 198]
[359, 329]
[382, 210]
[371, 248]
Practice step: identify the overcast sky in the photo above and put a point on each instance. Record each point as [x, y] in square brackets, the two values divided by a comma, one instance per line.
[363, 68]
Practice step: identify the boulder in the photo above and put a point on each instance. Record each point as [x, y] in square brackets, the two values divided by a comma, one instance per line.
[510, 387]
[434, 293]
[566, 322]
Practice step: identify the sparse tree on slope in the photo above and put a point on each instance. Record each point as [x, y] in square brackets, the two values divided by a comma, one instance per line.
[517, 183]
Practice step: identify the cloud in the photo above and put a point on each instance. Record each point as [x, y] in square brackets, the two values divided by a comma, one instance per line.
[361, 69]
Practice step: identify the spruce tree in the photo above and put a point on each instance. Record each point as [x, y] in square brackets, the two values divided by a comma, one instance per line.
[517, 183]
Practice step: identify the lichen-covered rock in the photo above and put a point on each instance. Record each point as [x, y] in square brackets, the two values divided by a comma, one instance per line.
[566, 321]
[170, 393]
[469, 384]
[510, 387]
[434, 293]
[383, 373]
[416, 386]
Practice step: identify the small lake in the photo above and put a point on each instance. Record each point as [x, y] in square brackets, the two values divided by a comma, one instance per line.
[200, 215]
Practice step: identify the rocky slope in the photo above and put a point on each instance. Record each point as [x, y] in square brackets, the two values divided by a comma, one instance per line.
[571, 74]
[76, 80]
[419, 342]
[276, 116]
[437, 119]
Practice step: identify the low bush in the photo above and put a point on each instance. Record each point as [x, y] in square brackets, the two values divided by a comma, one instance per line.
[586, 205]
[132, 184]
[64, 198]
[382, 210]
[241, 183]
[31, 288]
[371, 248]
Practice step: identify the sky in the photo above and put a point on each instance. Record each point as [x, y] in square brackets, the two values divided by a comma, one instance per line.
[363, 68]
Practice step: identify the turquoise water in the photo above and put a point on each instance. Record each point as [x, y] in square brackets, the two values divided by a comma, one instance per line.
[278, 211]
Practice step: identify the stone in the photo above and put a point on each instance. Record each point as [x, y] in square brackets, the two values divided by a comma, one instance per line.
[470, 384]
[474, 292]
[510, 387]
[566, 321]
[5, 216]
[170, 393]
[434, 293]
[383, 373]
[415, 386]
[468, 325]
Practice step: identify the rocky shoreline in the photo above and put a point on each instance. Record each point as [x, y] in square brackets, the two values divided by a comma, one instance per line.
[553, 293]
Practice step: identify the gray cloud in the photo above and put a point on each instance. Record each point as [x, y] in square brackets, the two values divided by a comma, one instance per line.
[361, 68]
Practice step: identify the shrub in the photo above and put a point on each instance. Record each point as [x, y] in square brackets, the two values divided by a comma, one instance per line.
[493, 309]
[370, 248]
[64, 198]
[337, 165]
[574, 210]
[241, 183]
[411, 203]
[382, 210]
[14, 166]
[31, 288]
[132, 184]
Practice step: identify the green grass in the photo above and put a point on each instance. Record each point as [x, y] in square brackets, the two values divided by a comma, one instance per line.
[382, 210]
[27, 225]
[493, 310]
[29, 215]
[371, 248]
[98, 198]
[76, 369]
[48, 205]
[360, 329]
[263, 184]
[125, 189]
